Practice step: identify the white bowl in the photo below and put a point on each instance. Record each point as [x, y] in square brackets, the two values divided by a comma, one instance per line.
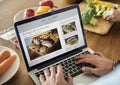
[19, 15]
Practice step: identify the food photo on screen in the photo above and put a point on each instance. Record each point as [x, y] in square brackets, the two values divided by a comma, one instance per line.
[72, 40]
[67, 28]
[43, 44]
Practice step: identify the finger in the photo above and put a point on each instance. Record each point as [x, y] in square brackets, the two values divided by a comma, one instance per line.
[106, 16]
[79, 57]
[83, 56]
[87, 60]
[89, 70]
[47, 73]
[98, 54]
[60, 71]
[52, 70]
[70, 79]
[42, 79]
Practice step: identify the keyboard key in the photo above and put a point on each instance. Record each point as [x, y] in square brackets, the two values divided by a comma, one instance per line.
[37, 74]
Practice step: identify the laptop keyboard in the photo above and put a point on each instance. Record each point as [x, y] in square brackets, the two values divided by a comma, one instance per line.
[70, 67]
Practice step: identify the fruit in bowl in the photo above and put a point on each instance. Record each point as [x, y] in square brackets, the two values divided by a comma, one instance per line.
[46, 3]
[28, 13]
[42, 10]
[44, 7]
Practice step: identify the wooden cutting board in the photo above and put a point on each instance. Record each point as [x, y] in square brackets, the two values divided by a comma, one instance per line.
[102, 27]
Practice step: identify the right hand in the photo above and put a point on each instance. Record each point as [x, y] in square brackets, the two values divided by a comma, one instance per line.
[113, 15]
[101, 63]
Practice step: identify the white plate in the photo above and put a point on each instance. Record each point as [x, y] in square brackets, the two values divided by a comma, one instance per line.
[12, 70]
[19, 15]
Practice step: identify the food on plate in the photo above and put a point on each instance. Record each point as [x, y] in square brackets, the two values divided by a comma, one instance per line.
[47, 42]
[68, 28]
[28, 13]
[42, 10]
[43, 44]
[72, 40]
[4, 55]
[43, 50]
[46, 3]
[37, 42]
[4, 66]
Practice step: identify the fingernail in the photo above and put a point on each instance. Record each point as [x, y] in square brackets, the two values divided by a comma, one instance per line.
[59, 65]
[83, 69]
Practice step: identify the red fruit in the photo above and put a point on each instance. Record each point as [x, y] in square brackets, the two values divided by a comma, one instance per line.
[46, 3]
[15, 42]
[29, 13]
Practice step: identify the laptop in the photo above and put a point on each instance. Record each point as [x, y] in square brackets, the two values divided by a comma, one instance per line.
[51, 39]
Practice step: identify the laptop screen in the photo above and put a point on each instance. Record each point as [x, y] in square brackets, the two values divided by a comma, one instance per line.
[50, 35]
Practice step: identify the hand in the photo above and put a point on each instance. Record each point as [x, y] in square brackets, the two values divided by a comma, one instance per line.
[53, 77]
[102, 64]
[113, 15]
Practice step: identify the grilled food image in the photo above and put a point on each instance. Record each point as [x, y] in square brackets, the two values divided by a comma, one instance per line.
[43, 44]
[68, 28]
[72, 40]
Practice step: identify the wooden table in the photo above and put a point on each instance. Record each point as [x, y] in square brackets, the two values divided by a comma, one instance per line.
[107, 44]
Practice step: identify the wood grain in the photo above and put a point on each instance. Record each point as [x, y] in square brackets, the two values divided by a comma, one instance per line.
[8, 8]
[108, 44]
[21, 77]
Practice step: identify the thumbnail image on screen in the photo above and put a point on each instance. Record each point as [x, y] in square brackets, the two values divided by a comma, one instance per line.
[72, 40]
[67, 28]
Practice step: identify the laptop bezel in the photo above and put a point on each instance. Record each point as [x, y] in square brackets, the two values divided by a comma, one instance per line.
[41, 65]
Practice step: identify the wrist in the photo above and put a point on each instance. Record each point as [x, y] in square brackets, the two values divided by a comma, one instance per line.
[115, 64]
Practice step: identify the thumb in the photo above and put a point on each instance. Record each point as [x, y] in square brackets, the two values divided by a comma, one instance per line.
[70, 79]
[88, 69]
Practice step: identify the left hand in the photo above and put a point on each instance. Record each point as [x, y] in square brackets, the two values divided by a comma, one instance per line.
[53, 77]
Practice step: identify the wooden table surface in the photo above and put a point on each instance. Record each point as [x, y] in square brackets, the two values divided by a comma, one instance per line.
[108, 44]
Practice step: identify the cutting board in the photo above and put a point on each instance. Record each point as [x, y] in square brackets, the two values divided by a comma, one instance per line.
[102, 27]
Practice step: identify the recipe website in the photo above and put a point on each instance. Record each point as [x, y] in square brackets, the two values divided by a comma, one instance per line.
[46, 38]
